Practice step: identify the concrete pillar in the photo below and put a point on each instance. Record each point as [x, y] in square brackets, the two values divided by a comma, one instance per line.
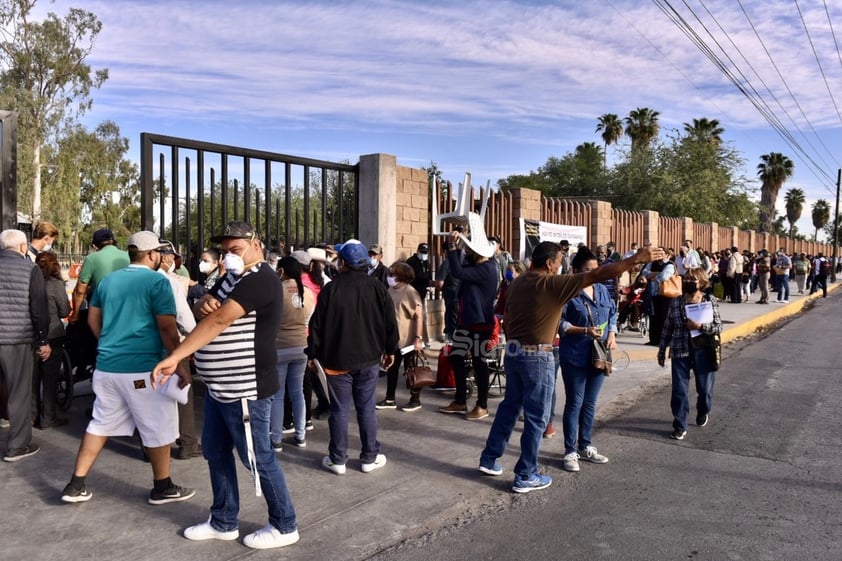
[651, 227]
[378, 202]
[526, 204]
[712, 244]
[687, 230]
[601, 229]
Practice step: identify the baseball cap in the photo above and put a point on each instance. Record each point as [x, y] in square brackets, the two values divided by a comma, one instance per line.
[103, 235]
[423, 248]
[353, 253]
[373, 249]
[302, 257]
[145, 241]
[168, 247]
[317, 254]
[236, 230]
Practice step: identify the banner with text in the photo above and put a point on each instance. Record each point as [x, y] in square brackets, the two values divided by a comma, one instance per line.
[532, 232]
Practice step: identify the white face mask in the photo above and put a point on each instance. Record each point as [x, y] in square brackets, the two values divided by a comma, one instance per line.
[205, 267]
[391, 281]
[423, 256]
[558, 272]
[47, 247]
[234, 264]
[373, 261]
[171, 268]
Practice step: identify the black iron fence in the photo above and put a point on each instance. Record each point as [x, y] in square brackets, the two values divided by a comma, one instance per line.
[193, 188]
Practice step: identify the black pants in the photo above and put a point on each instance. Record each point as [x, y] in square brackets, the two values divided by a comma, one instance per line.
[660, 307]
[465, 341]
[45, 375]
[392, 380]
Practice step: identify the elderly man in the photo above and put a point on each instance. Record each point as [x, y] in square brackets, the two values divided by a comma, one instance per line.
[132, 313]
[234, 344]
[24, 321]
[352, 330]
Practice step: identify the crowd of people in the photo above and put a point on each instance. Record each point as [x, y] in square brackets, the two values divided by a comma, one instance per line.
[261, 331]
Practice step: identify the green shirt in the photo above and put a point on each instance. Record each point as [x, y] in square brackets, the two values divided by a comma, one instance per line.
[130, 300]
[103, 262]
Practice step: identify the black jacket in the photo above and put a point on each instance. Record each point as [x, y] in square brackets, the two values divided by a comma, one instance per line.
[353, 324]
[422, 275]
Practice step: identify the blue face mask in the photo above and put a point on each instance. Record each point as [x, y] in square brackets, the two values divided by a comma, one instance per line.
[373, 261]
[510, 276]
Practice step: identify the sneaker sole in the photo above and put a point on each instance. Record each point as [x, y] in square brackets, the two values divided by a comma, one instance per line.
[410, 409]
[172, 499]
[221, 536]
[490, 471]
[12, 459]
[77, 498]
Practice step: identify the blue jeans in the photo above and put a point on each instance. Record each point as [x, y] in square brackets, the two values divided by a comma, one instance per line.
[581, 389]
[291, 369]
[556, 367]
[783, 286]
[529, 385]
[680, 401]
[223, 432]
[358, 386]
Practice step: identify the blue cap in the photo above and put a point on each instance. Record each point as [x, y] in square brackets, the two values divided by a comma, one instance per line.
[353, 253]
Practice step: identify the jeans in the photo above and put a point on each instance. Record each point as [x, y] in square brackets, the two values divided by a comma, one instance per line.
[581, 389]
[680, 401]
[291, 368]
[358, 386]
[819, 282]
[783, 286]
[556, 367]
[529, 386]
[223, 432]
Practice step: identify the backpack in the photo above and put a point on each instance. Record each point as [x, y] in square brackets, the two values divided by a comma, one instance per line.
[802, 266]
[824, 267]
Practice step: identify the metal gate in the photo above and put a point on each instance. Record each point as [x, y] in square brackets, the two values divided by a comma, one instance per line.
[193, 188]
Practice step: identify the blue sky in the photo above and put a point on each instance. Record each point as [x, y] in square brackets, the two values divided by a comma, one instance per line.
[491, 87]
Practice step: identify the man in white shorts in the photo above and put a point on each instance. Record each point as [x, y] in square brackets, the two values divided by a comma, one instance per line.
[132, 313]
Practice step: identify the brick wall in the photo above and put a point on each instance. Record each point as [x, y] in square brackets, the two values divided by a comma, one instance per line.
[413, 211]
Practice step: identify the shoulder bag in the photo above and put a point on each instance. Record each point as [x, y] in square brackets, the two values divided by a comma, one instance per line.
[712, 345]
[418, 372]
[601, 358]
[670, 288]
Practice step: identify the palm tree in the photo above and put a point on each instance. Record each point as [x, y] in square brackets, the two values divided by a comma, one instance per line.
[774, 170]
[642, 126]
[794, 200]
[821, 216]
[612, 130]
[705, 130]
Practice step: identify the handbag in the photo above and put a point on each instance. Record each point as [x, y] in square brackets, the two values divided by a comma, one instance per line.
[418, 372]
[670, 288]
[601, 358]
[712, 345]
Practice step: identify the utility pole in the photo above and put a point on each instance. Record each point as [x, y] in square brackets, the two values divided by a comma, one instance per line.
[835, 260]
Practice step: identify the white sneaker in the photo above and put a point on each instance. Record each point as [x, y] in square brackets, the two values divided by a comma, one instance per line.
[4, 423]
[378, 463]
[590, 454]
[269, 537]
[205, 531]
[570, 462]
[338, 469]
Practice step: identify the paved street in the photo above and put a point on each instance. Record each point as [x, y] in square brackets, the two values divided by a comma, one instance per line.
[760, 482]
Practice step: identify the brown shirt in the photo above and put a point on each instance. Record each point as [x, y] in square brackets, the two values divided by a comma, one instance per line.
[295, 314]
[406, 300]
[533, 306]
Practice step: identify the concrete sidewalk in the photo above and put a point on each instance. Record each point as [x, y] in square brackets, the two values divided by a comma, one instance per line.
[431, 479]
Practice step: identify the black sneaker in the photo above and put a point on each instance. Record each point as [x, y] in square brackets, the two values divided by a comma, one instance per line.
[702, 420]
[678, 434]
[171, 495]
[72, 495]
[309, 425]
[289, 429]
[411, 406]
[20, 453]
[386, 404]
[277, 446]
[299, 442]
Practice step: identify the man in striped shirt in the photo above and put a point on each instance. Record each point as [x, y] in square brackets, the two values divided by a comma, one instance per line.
[234, 346]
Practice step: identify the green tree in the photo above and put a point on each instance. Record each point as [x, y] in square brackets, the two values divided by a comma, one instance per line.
[45, 79]
[773, 170]
[642, 127]
[794, 199]
[705, 130]
[611, 127]
[820, 216]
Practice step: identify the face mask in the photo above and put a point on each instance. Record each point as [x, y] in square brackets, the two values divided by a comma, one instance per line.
[423, 256]
[205, 267]
[234, 264]
[171, 268]
[689, 287]
[373, 261]
[391, 281]
[510, 276]
[47, 247]
[558, 272]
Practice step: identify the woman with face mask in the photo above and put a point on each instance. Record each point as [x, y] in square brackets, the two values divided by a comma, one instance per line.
[590, 315]
[409, 314]
[677, 333]
[211, 267]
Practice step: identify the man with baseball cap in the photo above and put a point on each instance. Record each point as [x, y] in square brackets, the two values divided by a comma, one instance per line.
[132, 313]
[107, 259]
[351, 331]
[376, 268]
[234, 346]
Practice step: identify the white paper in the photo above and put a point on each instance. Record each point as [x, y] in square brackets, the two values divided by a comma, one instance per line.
[408, 349]
[700, 313]
[171, 390]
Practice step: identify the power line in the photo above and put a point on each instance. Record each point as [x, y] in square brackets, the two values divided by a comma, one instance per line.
[818, 62]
